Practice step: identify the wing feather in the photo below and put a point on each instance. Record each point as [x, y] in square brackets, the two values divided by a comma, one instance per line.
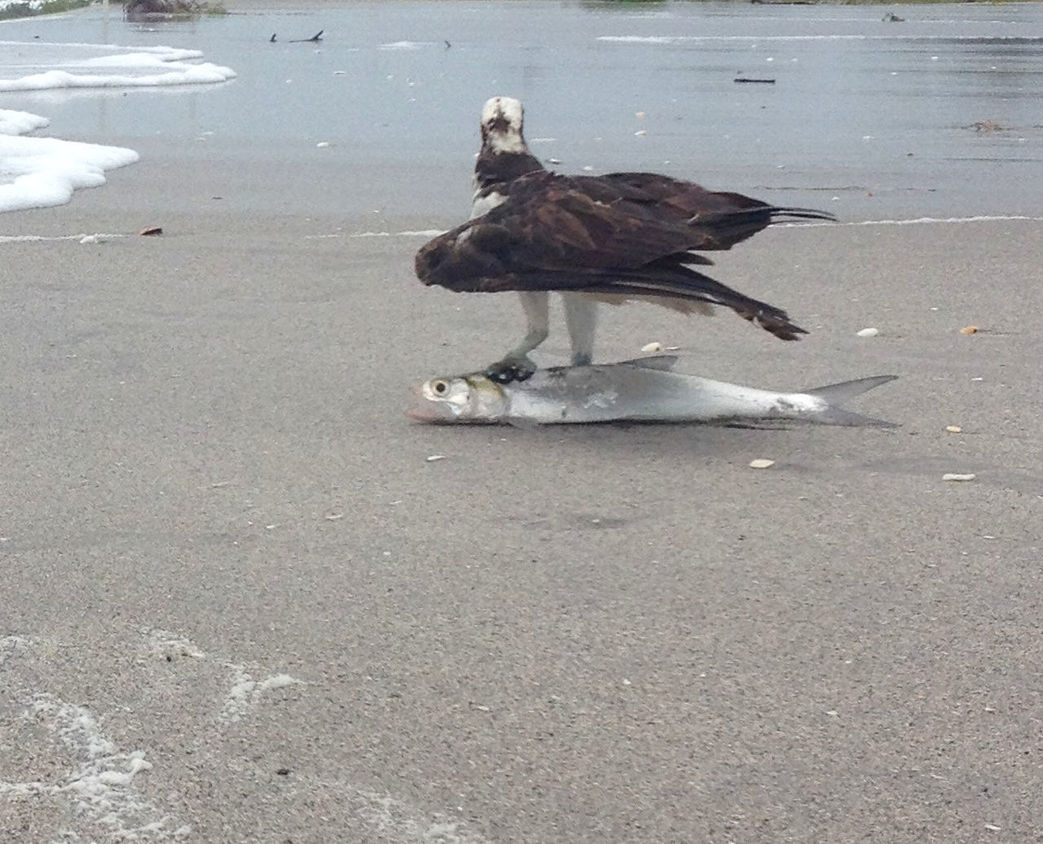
[625, 234]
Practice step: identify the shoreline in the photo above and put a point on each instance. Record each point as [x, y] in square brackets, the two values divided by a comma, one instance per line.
[398, 148]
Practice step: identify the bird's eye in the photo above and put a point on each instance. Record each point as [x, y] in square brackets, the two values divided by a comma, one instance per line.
[440, 387]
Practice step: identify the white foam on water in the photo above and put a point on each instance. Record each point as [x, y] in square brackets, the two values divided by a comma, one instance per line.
[394, 820]
[137, 66]
[13, 644]
[405, 45]
[171, 646]
[913, 221]
[96, 237]
[245, 692]
[420, 233]
[983, 218]
[20, 122]
[76, 65]
[102, 785]
[40, 172]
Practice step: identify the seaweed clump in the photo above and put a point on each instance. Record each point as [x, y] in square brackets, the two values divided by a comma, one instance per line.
[144, 10]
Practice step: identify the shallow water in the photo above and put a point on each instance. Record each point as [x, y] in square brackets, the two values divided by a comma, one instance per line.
[868, 118]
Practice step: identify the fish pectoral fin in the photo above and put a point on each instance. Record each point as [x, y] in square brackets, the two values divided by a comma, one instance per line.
[837, 395]
[664, 363]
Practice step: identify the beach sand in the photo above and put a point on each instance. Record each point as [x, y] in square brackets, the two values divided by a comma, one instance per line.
[225, 547]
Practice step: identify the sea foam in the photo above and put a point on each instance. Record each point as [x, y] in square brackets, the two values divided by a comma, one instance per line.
[39, 172]
[152, 67]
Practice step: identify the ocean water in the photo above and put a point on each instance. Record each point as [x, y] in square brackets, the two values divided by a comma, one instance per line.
[936, 115]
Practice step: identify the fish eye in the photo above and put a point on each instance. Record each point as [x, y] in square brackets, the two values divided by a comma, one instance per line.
[440, 387]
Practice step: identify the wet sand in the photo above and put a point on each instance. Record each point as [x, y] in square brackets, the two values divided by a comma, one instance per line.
[225, 547]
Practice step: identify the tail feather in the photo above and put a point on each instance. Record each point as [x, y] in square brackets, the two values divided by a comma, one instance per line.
[723, 229]
[800, 214]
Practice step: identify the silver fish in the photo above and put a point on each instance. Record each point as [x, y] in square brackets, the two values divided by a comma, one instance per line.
[642, 390]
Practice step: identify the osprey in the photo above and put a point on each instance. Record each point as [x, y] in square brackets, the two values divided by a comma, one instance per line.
[612, 238]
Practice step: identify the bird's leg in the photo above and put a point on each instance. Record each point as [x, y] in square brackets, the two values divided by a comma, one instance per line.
[516, 365]
[581, 318]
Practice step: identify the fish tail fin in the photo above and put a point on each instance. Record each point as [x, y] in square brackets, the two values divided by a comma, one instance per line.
[837, 395]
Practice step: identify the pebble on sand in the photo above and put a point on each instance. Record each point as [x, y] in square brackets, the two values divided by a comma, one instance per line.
[958, 476]
[868, 332]
[761, 463]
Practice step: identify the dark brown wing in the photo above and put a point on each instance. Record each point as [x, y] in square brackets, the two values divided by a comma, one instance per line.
[548, 225]
[716, 220]
[552, 235]
[561, 222]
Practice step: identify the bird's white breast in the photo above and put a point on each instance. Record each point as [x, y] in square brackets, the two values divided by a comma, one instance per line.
[484, 203]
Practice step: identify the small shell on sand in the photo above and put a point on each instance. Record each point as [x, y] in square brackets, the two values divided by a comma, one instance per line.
[954, 429]
[654, 346]
[434, 458]
[761, 463]
[868, 332]
[958, 476]
[969, 329]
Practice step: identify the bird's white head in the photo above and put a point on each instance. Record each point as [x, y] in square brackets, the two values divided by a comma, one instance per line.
[502, 123]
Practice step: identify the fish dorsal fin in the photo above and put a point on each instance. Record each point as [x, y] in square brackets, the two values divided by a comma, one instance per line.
[664, 363]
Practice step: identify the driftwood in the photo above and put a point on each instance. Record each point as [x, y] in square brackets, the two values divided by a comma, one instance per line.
[315, 39]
